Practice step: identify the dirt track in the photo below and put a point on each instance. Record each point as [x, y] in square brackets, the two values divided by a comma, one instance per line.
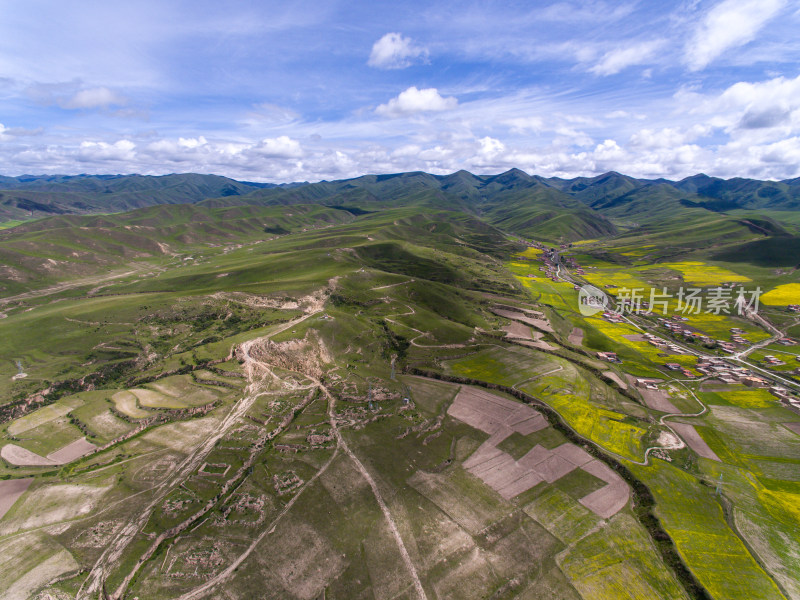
[341, 444]
[110, 557]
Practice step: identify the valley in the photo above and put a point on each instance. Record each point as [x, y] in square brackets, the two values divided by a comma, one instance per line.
[389, 387]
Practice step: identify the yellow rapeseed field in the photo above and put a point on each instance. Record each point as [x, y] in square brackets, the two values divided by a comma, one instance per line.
[701, 273]
[788, 293]
[530, 253]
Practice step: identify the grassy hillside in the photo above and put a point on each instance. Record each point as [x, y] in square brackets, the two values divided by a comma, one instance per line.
[298, 393]
[29, 197]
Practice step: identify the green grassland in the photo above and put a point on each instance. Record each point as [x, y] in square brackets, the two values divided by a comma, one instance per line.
[127, 326]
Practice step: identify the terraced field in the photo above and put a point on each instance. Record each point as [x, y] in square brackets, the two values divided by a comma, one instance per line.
[389, 401]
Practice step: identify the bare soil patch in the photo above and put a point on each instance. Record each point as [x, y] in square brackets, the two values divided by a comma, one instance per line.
[616, 378]
[541, 324]
[58, 564]
[635, 337]
[576, 336]
[693, 439]
[795, 427]
[607, 501]
[500, 418]
[21, 457]
[489, 413]
[53, 504]
[152, 399]
[107, 425]
[517, 330]
[571, 452]
[10, 491]
[71, 451]
[658, 400]
[183, 435]
[610, 499]
[540, 345]
[126, 404]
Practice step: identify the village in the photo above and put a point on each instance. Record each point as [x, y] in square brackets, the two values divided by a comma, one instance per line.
[715, 368]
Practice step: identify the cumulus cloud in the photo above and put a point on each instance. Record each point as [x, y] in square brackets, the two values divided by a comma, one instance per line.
[729, 24]
[414, 100]
[74, 96]
[122, 150]
[667, 137]
[280, 147]
[765, 108]
[761, 118]
[192, 142]
[97, 97]
[393, 51]
[619, 59]
[525, 124]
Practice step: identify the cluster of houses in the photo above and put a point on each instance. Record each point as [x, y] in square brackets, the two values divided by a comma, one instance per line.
[720, 370]
[736, 335]
[678, 367]
[550, 257]
[679, 330]
[774, 361]
[785, 395]
[612, 317]
[794, 308]
[649, 384]
[730, 374]
[729, 346]
[609, 356]
[787, 341]
[663, 344]
[571, 263]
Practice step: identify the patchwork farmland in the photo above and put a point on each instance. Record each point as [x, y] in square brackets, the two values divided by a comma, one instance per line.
[385, 401]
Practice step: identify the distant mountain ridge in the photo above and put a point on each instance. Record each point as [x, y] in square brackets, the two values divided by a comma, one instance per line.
[549, 208]
[31, 196]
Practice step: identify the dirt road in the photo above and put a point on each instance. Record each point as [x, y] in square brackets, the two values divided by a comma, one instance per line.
[110, 557]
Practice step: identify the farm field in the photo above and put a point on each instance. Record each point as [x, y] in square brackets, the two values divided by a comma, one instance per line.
[362, 400]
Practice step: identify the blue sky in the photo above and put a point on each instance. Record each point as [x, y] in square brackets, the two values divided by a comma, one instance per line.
[296, 91]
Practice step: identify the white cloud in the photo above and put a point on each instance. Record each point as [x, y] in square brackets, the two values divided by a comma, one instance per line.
[122, 150]
[393, 51]
[73, 95]
[729, 24]
[525, 124]
[97, 97]
[192, 142]
[667, 137]
[763, 110]
[608, 150]
[491, 147]
[618, 59]
[415, 101]
[280, 147]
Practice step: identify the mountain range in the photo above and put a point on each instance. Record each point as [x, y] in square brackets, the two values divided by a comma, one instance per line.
[550, 208]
